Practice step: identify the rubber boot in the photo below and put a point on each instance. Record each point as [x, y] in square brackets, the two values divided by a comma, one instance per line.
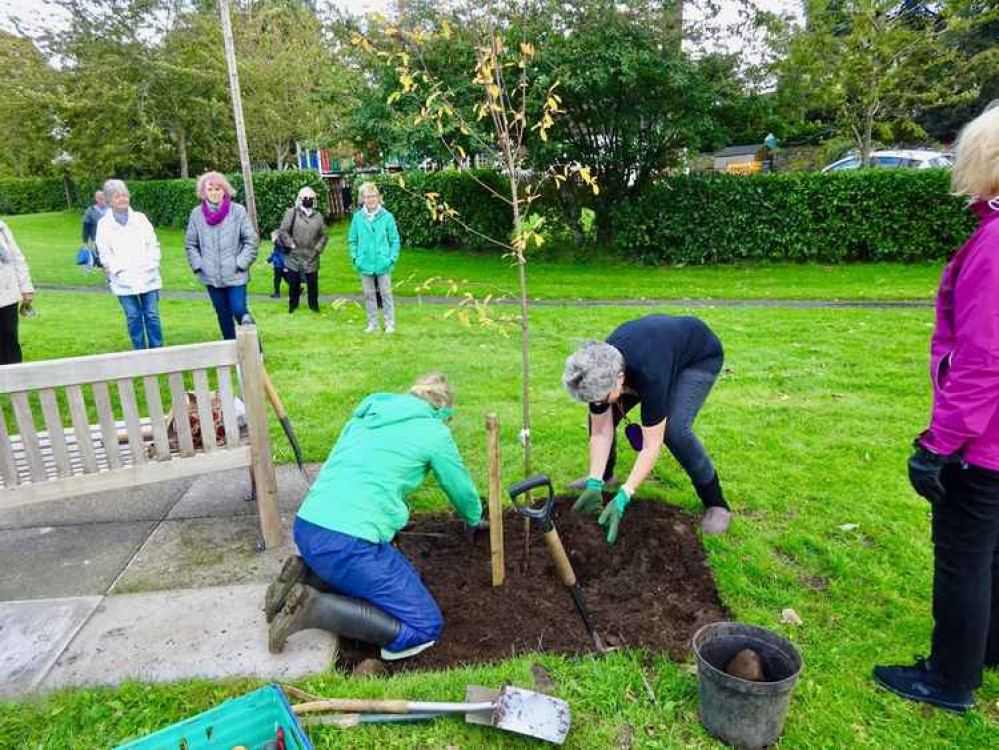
[717, 515]
[294, 571]
[305, 608]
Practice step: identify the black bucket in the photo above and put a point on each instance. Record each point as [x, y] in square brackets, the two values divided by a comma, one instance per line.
[739, 712]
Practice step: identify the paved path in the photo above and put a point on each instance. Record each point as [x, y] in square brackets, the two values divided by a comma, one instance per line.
[159, 584]
[800, 304]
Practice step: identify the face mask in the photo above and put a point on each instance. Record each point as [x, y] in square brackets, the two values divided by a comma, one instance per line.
[307, 202]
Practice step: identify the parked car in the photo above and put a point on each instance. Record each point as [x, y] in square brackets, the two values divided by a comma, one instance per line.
[903, 159]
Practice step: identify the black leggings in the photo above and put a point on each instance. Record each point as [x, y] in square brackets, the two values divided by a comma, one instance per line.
[10, 347]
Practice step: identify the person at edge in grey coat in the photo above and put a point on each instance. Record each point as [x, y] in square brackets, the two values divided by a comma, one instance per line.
[91, 216]
[303, 234]
[221, 246]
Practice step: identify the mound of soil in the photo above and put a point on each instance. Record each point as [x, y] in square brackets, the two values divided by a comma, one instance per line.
[652, 589]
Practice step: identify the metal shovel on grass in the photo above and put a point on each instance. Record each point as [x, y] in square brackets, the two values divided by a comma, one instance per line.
[511, 709]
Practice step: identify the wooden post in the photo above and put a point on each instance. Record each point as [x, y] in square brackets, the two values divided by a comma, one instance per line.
[264, 476]
[237, 113]
[495, 500]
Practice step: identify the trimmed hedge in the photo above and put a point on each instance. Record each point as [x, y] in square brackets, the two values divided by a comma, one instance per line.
[481, 210]
[32, 195]
[868, 215]
[167, 203]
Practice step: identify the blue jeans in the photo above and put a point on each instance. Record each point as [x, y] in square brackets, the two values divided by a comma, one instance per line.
[230, 307]
[375, 573]
[142, 315]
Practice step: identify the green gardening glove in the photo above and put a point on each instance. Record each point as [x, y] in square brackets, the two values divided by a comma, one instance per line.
[613, 513]
[591, 498]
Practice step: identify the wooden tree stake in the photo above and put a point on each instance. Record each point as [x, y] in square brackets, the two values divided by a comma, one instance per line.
[495, 500]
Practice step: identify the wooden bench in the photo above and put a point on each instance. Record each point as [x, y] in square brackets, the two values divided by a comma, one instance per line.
[144, 446]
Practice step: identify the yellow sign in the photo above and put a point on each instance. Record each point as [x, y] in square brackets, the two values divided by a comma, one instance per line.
[752, 167]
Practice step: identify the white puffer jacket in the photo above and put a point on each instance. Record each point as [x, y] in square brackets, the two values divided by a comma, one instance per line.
[130, 253]
[14, 277]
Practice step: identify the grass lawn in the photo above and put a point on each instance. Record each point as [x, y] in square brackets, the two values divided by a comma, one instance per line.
[809, 426]
[50, 242]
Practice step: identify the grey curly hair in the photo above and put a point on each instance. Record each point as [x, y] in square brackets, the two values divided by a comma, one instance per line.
[591, 371]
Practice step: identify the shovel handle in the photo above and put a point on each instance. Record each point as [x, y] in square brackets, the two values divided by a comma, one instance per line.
[360, 706]
[562, 564]
[272, 394]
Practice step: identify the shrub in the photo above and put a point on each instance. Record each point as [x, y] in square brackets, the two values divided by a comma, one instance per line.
[864, 215]
[32, 195]
[482, 211]
[167, 203]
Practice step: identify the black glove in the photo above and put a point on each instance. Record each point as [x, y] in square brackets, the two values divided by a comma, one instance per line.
[925, 468]
[474, 532]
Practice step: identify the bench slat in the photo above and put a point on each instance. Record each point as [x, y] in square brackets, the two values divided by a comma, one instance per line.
[29, 436]
[53, 425]
[152, 387]
[181, 421]
[130, 410]
[58, 373]
[127, 478]
[105, 417]
[7, 468]
[227, 397]
[205, 416]
[81, 428]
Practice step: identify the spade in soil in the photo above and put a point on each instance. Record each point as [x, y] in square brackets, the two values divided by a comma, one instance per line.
[542, 516]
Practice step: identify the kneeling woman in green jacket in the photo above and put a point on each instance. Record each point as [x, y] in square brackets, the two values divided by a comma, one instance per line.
[346, 524]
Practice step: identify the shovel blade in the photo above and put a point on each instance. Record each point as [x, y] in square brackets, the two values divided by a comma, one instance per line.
[533, 714]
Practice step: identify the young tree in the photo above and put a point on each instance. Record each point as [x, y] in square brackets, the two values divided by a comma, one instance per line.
[501, 124]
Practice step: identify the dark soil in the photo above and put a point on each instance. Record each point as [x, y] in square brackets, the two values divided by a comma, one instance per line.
[652, 589]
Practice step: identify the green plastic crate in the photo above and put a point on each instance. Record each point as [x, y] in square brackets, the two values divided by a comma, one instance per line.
[251, 720]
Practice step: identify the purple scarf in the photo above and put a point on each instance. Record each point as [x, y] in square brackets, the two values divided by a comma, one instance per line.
[217, 216]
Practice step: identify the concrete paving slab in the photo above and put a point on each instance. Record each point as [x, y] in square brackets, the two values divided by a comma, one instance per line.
[198, 552]
[215, 633]
[57, 561]
[225, 493]
[32, 636]
[141, 504]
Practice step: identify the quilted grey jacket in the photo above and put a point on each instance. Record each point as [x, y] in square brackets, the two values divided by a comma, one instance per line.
[221, 255]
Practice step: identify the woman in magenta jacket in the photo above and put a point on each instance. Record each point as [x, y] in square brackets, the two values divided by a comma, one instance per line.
[956, 461]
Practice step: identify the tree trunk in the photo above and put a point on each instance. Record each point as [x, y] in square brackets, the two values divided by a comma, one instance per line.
[182, 152]
[572, 213]
[604, 224]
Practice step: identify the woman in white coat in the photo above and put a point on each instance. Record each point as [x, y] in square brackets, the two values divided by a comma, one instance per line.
[15, 290]
[130, 254]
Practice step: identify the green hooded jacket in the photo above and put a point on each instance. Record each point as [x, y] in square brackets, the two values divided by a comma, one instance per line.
[374, 244]
[382, 455]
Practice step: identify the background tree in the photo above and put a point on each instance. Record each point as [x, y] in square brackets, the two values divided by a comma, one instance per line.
[29, 99]
[871, 65]
[633, 101]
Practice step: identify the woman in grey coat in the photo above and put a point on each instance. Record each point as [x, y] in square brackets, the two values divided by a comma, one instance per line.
[303, 236]
[221, 246]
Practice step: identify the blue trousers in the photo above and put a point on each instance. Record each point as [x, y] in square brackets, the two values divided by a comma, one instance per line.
[375, 573]
[142, 316]
[230, 307]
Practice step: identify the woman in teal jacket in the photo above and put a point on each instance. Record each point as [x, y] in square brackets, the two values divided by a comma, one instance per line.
[346, 524]
[374, 250]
